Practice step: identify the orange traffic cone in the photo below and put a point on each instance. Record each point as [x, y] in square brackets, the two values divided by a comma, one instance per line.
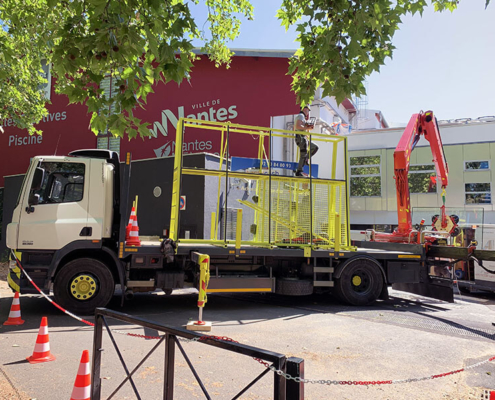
[15, 312]
[41, 351]
[129, 225]
[82, 385]
[134, 232]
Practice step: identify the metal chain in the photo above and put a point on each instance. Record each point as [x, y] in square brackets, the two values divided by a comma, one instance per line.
[370, 383]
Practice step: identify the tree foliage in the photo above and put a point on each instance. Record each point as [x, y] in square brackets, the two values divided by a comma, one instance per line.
[136, 42]
[141, 42]
[344, 41]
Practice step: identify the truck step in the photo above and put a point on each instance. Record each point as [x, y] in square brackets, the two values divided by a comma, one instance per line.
[148, 283]
[323, 283]
[240, 284]
[327, 270]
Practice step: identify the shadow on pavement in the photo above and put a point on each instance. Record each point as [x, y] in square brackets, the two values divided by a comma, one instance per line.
[224, 310]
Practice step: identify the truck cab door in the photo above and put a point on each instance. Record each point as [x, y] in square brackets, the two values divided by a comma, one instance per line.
[54, 212]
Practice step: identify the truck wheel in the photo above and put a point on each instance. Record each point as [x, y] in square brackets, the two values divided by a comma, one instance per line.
[293, 287]
[83, 284]
[360, 283]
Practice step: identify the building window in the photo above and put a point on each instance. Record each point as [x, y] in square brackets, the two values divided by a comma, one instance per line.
[366, 176]
[46, 88]
[422, 179]
[478, 193]
[105, 139]
[476, 165]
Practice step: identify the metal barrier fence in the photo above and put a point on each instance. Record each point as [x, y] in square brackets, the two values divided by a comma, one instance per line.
[282, 389]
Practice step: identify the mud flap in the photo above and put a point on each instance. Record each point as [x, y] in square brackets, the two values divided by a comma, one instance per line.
[384, 293]
[436, 288]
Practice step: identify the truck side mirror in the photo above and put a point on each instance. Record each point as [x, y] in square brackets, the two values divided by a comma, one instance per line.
[34, 199]
[39, 174]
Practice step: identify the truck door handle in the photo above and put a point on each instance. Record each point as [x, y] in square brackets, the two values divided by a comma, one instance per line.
[30, 209]
[86, 231]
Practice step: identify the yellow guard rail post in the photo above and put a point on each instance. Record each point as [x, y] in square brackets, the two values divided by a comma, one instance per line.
[203, 260]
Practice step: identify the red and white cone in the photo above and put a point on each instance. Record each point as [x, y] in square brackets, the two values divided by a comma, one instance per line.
[41, 351]
[82, 385]
[15, 312]
[134, 233]
[129, 225]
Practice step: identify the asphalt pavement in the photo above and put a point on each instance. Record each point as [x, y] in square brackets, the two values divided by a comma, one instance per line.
[405, 337]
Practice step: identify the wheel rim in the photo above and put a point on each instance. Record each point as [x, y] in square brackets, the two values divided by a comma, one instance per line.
[83, 287]
[356, 280]
[361, 282]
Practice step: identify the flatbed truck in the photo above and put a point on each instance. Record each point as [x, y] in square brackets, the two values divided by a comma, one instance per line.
[69, 230]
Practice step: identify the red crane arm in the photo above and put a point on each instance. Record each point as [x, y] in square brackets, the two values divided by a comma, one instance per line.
[419, 124]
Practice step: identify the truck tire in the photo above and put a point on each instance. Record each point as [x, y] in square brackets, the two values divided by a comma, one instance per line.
[293, 287]
[360, 283]
[83, 285]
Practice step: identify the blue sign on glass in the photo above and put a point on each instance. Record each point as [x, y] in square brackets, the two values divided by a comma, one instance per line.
[243, 163]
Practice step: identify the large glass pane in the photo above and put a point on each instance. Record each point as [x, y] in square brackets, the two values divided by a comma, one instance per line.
[467, 216]
[474, 165]
[477, 187]
[365, 160]
[478, 198]
[366, 186]
[470, 225]
[252, 194]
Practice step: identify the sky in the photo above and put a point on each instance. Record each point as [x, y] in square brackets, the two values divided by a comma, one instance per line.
[443, 62]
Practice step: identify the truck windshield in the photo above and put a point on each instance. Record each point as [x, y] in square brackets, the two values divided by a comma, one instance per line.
[62, 183]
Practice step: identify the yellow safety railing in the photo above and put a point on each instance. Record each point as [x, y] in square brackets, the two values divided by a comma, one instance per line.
[285, 210]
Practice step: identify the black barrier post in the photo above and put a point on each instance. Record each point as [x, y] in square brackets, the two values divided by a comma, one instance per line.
[168, 387]
[295, 368]
[279, 382]
[97, 343]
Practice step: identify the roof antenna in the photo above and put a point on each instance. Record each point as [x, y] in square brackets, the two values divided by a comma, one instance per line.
[58, 140]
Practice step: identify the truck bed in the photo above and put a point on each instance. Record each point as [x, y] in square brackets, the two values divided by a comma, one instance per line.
[382, 251]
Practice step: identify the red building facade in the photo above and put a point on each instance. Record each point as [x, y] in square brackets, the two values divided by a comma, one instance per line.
[255, 88]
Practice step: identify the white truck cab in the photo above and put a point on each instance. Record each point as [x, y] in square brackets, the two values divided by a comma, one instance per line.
[63, 199]
[66, 228]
